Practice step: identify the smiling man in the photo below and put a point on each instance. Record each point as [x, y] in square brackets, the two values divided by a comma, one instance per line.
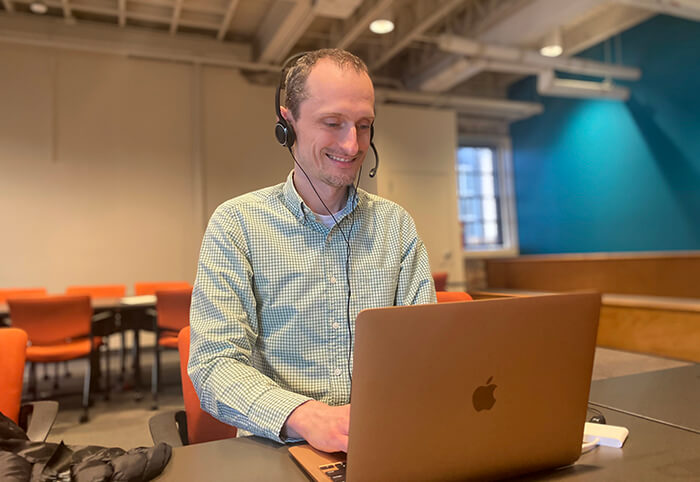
[284, 271]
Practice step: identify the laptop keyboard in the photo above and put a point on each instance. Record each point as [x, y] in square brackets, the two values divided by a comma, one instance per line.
[335, 472]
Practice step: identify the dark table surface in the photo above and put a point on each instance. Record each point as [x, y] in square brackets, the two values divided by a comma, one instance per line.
[671, 396]
[653, 452]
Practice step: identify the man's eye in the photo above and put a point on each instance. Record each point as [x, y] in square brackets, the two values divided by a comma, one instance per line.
[332, 124]
[364, 127]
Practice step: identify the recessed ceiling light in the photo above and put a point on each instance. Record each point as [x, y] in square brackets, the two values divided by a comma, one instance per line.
[381, 26]
[551, 50]
[552, 44]
[38, 7]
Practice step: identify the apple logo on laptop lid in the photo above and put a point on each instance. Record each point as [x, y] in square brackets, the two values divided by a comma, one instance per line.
[483, 398]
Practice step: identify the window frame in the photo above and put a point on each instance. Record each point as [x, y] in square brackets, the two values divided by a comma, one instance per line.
[503, 151]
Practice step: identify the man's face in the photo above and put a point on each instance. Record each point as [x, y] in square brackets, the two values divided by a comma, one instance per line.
[333, 125]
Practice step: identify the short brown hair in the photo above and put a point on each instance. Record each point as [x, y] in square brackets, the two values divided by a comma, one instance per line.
[295, 80]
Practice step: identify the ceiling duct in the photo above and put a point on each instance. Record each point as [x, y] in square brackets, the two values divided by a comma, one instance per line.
[548, 84]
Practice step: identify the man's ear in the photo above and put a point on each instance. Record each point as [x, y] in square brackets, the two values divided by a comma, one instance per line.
[287, 114]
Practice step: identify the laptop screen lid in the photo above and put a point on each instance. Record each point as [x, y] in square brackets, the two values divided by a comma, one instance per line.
[479, 389]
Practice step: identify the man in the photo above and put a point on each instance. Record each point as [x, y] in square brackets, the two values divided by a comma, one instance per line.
[273, 314]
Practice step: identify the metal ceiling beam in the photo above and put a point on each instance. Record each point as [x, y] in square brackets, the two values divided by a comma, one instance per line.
[112, 11]
[689, 9]
[176, 16]
[99, 37]
[602, 26]
[8, 5]
[281, 30]
[122, 13]
[421, 26]
[228, 16]
[533, 20]
[359, 25]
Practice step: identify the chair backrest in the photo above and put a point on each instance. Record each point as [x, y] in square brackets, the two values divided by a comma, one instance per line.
[440, 280]
[201, 427]
[173, 308]
[98, 291]
[445, 296]
[52, 319]
[13, 352]
[7, 293]
[150, 287]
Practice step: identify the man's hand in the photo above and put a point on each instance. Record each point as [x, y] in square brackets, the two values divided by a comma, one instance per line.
[324, 427]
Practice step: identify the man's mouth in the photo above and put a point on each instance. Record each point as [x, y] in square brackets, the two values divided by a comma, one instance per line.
[340, 159]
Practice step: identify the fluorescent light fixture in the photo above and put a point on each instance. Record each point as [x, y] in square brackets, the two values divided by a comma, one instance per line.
[381, 26]
[38, 7]
[552, 45]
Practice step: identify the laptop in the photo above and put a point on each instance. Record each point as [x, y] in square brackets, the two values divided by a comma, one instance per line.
[467, 390]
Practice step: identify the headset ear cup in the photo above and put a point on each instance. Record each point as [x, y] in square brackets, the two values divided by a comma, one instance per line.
[284, 134]
[281, 133]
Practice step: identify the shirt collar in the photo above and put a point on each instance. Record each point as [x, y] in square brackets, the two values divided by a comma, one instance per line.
[296, 204]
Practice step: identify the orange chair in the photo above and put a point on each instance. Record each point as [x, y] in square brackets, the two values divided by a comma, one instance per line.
[59, 329]
[194, 425]
[150, 287]
[440, 280]
[446, 296]
[98, 291]
[7, 293]
[172, 315]
[103, 292]
[13, 351]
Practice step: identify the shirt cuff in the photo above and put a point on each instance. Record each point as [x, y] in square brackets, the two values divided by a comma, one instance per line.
[272, 410]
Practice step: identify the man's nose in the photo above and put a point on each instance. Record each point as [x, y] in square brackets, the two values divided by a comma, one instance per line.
[349, 142]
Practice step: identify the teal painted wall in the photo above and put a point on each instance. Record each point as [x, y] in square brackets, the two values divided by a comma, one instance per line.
[595, 175]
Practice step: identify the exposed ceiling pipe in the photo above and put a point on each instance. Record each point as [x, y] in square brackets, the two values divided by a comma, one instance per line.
[548, 84]
[679, 8]
[494, 108]
[462, 46]
[445, 77]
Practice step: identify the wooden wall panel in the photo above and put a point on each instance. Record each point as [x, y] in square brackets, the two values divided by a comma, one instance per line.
[674, 334]
[655, 274]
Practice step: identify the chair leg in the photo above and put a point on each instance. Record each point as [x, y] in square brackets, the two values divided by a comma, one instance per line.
[107, 381]
[122, 355]
[33, 381]
[46, 372]
[65, 366]
[86, 389]
[55, 376]
[155, 374]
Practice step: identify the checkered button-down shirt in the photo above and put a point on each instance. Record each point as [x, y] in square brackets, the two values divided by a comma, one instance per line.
[269, 327]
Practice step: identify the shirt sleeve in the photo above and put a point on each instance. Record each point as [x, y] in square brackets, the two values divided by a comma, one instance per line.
[224, 330]
[416, 285]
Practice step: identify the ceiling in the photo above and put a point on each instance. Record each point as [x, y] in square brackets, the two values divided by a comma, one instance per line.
[458, 53]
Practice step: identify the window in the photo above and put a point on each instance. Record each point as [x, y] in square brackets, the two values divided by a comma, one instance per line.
[484, 193]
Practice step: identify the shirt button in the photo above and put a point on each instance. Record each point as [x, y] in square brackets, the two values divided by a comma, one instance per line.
[332, 279]
[337, 372]
[336, 325]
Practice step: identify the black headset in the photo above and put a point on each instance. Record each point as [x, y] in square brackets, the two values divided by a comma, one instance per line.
[284, 133]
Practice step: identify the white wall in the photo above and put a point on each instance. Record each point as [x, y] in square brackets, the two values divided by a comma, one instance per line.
[111, 166]
[418, 149]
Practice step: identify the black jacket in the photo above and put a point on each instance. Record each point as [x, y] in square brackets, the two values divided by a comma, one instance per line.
[24, 460]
